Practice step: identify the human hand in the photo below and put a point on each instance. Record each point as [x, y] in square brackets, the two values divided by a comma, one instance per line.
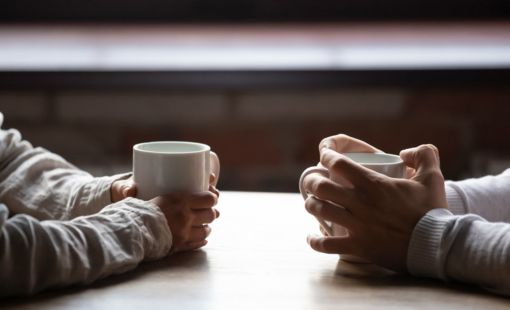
[379, 212]
[187, 216]
[343, 143]
[346, 144]
[122, 189]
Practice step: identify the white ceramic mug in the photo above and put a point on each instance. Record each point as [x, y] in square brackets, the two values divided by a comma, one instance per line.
[387, 164]
[164, 167]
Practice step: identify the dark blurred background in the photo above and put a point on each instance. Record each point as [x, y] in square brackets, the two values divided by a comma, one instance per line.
[262, 82]
[245, 11]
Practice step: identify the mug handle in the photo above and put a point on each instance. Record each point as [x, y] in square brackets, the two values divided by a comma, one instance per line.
[328, 227]
[215, 166]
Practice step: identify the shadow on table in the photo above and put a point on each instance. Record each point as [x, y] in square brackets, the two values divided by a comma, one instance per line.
[193, 260]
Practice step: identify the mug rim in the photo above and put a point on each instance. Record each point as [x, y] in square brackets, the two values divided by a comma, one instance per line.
[139, 147]
[397, 159]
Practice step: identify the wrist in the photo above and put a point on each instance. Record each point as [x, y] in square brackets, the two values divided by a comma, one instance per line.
[456, 202]
[424, 255]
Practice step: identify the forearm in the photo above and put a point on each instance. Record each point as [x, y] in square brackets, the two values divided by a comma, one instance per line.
[461, 248]
[488, 197]
[42, 184]
[44, 254]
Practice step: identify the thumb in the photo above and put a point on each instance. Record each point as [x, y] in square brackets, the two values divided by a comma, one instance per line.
[128, 189]
[424, 159]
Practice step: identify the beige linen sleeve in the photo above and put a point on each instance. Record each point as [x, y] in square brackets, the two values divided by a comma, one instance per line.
[42, 184]
[58, 226]
[36, 255]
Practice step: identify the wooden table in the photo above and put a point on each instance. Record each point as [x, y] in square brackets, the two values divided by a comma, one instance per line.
[257, 258]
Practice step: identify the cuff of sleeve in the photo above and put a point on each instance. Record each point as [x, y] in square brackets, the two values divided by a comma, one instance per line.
[455, 202]
[424, 256]
[153, 226]
[102, 195]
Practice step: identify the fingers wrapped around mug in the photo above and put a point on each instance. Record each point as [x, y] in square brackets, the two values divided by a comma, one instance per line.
[199, 233]
[196, 238]
[202, 210]
[214, 190]
[327, 190]
[346, 144]
[332, 245]
[122, 189]
[204, 216]
[187, 215]
[327, 211]
[203, 200]
[424, 160]
[348, 172]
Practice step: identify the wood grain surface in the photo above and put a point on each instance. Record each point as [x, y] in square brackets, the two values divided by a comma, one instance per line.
[257, 258]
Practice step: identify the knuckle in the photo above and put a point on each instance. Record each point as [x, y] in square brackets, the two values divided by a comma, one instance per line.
[309, 203]
[324, 141]
[320, 187]
[211, 215]
[204, 232]
[434, 148]
[314, 206]
[376, 180]
[428, 149]
[212, 199]
[339, 164]
[341, 136]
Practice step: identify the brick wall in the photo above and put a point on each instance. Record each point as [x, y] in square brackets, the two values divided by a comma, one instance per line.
[266, 138]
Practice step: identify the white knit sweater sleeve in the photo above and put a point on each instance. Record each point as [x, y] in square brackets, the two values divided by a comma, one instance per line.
[488, 197]
[463, 245]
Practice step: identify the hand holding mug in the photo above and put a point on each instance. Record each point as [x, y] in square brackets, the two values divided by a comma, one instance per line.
[379, 211]
[188, 216]
[180, 178]
[122, 189]
[322, 183]
[343, 143]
